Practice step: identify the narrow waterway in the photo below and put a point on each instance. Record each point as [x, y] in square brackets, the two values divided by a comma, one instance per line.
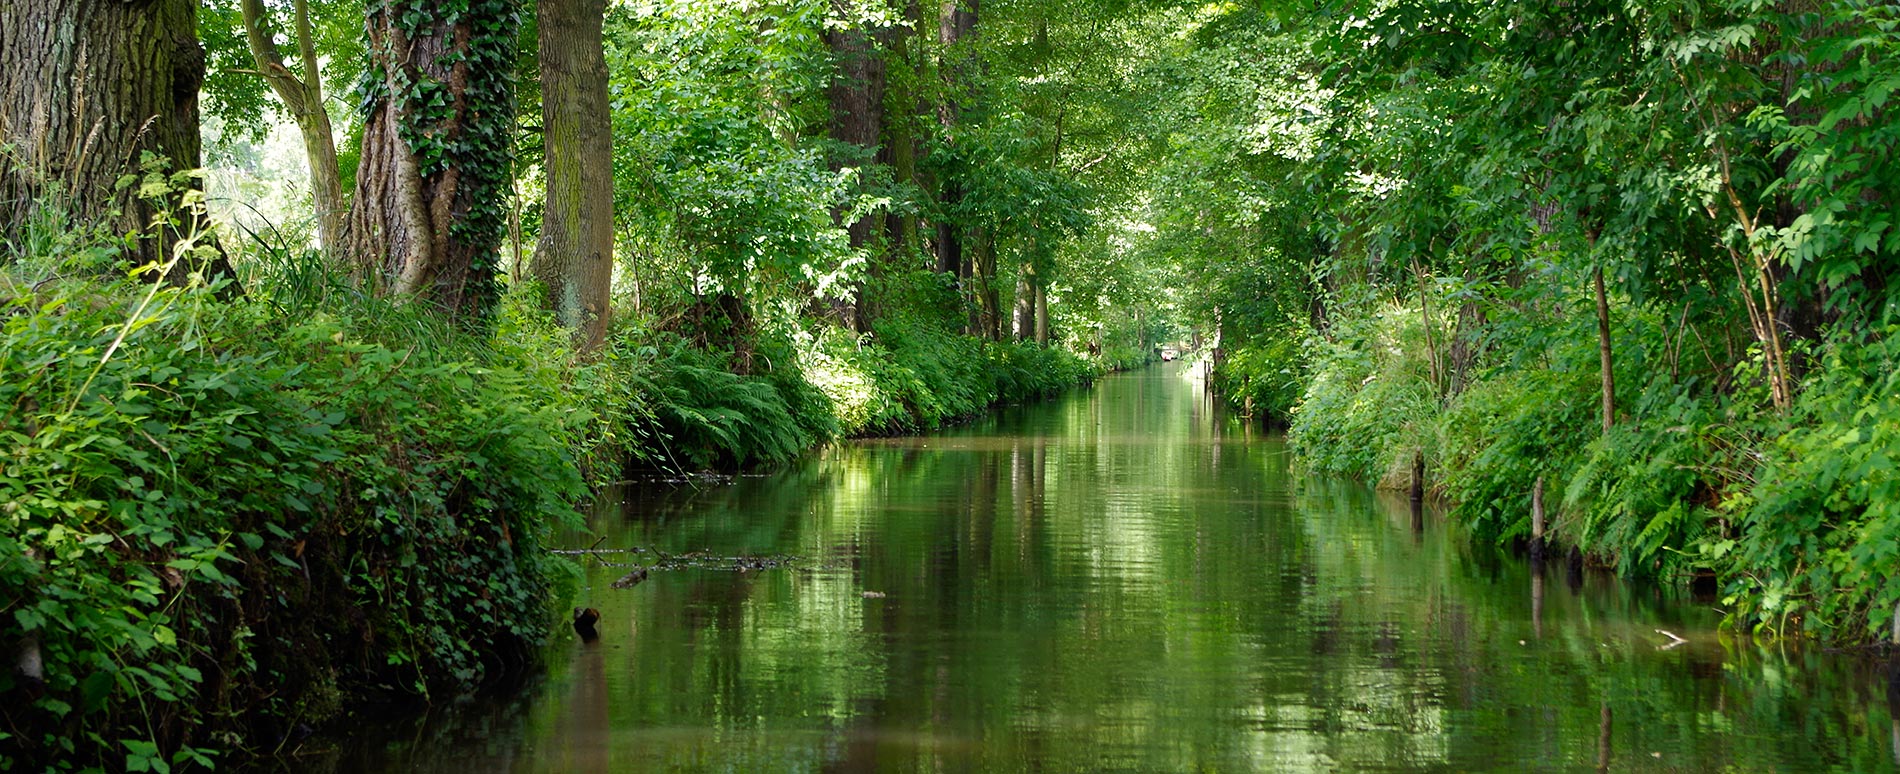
[1123, 579]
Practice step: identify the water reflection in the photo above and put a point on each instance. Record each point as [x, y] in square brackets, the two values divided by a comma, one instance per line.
[1125, 580]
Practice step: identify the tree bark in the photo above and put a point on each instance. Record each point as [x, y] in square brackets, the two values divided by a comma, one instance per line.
[426, 220]
[857, 119]
[574, 258]
[87, 87]
[956, 22]
[1604, 353]
[989, 306]
[1042, 313]
[302, 95]
[1024, 324]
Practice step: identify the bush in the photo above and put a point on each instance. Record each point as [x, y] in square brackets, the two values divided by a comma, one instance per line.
[1368, 407]
[909, 377]
[220, 522]
[714, 418]
[1820, 540]
[1265, 376]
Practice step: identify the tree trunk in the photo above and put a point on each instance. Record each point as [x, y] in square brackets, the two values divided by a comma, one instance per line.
[989, 303]
[857, 119]
[949, 244]
[1432, 364]
[1604, 353]
[901, 125]
[87, 87]
[302, 95]
[1024, 323]
[574, 258]
[956, 22]
[427, 218]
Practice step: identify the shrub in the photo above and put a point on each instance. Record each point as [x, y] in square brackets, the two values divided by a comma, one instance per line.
[1819, 544]
[219, 522]
[1369, 406]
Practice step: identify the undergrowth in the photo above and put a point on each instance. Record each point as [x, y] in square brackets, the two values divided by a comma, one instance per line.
[227, 521]
[910, 377]
[223, 522]
[1795, 515]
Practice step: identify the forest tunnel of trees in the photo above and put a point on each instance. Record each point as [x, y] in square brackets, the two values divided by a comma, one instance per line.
[301, 296]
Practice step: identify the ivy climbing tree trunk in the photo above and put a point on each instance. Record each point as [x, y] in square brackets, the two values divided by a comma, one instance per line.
[427, 217]
[574, 258]
[87, 88]
[302, 95]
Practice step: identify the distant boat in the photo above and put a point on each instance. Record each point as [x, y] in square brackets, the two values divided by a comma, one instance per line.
[1169, 354]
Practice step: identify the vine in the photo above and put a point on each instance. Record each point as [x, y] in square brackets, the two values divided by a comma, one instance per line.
[466, 131]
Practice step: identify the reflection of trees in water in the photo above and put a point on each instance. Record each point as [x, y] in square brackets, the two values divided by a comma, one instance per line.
[1119, 580]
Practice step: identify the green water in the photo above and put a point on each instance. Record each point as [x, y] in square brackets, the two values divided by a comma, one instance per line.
[1124, 579]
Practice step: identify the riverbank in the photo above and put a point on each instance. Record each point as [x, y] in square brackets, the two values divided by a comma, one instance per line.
[228, 521]
[1132, 555]
[1794, 514]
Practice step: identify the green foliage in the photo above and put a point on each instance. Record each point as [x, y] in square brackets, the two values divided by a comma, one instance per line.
[1369, 406]
[220, 520]
[1264, 376]
[715, 418]
[717, 188]
[1820, 531]
[909, 377]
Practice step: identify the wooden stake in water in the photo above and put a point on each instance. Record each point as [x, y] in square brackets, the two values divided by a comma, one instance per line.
[1418, 476]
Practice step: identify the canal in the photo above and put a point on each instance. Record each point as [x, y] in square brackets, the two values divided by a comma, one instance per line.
[1122, 579]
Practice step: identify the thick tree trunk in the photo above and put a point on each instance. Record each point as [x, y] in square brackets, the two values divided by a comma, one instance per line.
[901, 124]
[956, 22]
[302, 95]
[426, 219]
[87, 87]
[575, 257]
[1042, 314]
[857, 119]
[1604, 353]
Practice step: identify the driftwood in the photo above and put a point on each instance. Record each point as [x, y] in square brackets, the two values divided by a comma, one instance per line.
[631, 579]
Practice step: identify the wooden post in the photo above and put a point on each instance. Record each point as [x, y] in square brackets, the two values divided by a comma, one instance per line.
[1418, 476]
[1537, 520]
[1896, 623]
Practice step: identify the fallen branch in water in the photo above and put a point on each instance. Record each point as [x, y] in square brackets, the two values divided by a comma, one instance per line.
[1671, 635]
[631, 579]
[584, 551]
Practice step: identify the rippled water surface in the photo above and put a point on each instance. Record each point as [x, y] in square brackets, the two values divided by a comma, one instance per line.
[1123, 579]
